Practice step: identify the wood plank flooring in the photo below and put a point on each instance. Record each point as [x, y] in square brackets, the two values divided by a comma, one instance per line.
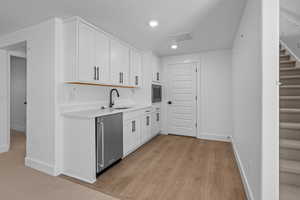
[174, 168]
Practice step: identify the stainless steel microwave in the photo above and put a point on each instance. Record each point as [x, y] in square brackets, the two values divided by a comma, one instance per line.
[156, 93]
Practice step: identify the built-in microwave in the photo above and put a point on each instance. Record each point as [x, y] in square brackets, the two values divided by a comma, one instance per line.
[156, 93]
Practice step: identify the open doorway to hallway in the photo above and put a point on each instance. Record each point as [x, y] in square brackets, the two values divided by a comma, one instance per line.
[17, 84]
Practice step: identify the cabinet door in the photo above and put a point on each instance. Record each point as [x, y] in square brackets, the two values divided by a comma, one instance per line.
[86, 53]
[153, 124]
[136, 133]
[146, 132]
[102, 57]
[127, 138]
[158, 122]
[120, 60]
[136, 68]
[156, 76]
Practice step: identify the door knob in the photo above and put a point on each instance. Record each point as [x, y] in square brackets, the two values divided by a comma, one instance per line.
[170, 102]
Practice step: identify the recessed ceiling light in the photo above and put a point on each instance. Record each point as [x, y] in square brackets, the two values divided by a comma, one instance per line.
[174, 46]
[153, 23]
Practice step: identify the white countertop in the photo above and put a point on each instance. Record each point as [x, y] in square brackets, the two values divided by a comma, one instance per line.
[92, 113]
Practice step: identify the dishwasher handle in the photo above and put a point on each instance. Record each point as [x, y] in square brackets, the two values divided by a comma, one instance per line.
[102, 145]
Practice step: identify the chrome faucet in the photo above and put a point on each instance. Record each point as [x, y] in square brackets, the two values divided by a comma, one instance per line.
[110, 96]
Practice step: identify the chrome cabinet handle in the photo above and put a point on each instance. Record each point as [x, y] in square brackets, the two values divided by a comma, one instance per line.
[95, 73]
[97, 145]
[120, 77]
[133, 126]
[102, 134]
[136, 80]
[98, 73]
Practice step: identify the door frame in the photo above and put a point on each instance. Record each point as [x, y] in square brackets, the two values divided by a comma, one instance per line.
[197, 64]
[17, 55]
[8, 93]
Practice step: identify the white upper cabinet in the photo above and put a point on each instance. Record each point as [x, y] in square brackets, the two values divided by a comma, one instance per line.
[156, 73]
[136, 68]
[102, 57]
[120, 63]
[86, 53]
[91, 55]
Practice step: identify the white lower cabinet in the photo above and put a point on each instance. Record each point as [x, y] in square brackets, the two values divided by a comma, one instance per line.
[146, 134]
[132, 135]
[137, 130]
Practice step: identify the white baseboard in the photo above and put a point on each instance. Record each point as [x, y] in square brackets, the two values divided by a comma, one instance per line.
[215, 137]
[40, 166]
[4, 148]
[79, 178]
[18, 127]
[247, 187]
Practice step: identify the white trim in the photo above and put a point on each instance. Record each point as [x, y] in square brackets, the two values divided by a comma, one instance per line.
[246, 184]
[4, 148]
[290, 51]
[40, 166]
[19, 54]
[18, 127]
[79, 178]
[214, 137]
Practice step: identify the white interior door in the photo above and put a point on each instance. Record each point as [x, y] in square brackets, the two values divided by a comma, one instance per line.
[181, 99]
[18, 93]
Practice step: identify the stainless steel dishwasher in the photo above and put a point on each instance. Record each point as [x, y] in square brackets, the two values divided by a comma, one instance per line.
[109, 141]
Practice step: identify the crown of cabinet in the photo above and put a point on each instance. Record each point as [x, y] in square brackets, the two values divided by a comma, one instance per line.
[91, 55]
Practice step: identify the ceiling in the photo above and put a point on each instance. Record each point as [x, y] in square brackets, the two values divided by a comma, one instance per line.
[212, 23]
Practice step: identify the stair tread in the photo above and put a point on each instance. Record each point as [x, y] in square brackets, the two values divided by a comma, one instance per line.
[289, 76]
[287, 62]
[284, 56]
[290, 166]
[290, 125]
[290, 110]
[290, 86]
[289, 68]
[290, 144]
[290, 97]
[289, 192]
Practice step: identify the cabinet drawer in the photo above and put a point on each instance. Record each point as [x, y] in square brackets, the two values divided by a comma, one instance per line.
[136, 113]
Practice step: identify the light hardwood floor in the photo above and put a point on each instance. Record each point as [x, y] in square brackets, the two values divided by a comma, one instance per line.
[18, 182]
[174, 168]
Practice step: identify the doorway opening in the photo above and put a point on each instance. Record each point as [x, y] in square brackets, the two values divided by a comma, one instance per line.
[17, 95]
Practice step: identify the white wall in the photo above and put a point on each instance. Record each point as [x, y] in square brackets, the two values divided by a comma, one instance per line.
[247, 95]
[290, 34]
[18, 93]
[215, 99]
[4, 102]
[255, 95]
[43, 63]
[290, 25]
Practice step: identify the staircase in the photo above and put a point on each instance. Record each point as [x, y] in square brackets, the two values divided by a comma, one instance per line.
[289, 127]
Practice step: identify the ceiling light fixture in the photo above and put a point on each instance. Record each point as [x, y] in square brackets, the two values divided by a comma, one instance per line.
[153, 23]
[174, 46]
